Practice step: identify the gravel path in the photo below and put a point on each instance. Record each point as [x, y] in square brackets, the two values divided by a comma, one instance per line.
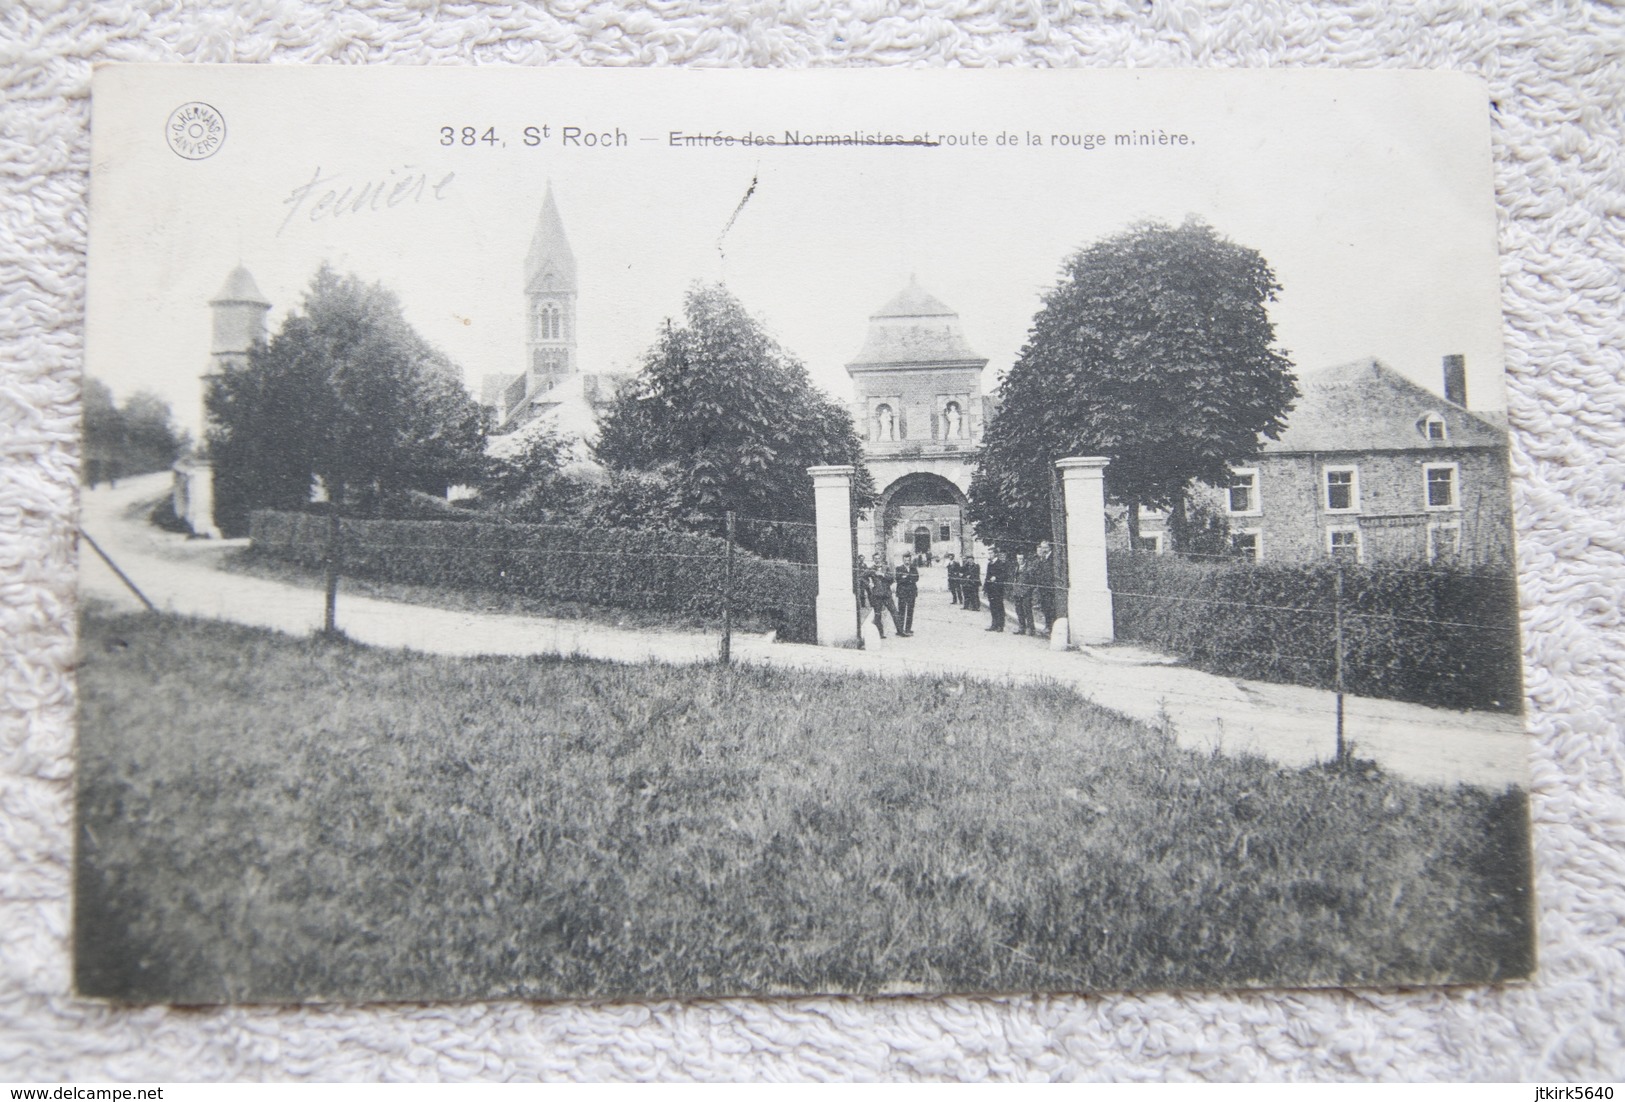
[1288, 724]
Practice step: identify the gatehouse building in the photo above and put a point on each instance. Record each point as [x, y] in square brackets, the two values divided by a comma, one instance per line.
[920, 409]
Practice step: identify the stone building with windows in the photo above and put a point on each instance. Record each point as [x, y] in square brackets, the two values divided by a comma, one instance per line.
[1373, 468]
[919, 409]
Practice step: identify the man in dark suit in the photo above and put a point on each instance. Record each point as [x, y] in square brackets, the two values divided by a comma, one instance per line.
[1044, 585]
[877, 584]
[1022, 578]
[907, 578]
[970, 583]
[953, 579]
[997, 571]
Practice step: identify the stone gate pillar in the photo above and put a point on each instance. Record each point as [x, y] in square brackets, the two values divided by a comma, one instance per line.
[1088, 598]
[193, 496]
[837, 605]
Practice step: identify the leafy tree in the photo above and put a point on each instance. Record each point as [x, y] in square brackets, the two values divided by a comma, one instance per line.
[151, 440]
[639, 499]
[734, 415]
[526, 479]
[104, 433]
[1155, 350]
[133, 439]
[345, 392]
[1200, 529]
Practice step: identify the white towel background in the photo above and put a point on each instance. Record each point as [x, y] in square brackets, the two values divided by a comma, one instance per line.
[1557, 75]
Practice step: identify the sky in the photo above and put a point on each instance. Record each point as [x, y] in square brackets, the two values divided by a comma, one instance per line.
[1369, 193]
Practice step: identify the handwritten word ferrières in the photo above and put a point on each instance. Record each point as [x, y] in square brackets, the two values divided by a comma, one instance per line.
[338, 196]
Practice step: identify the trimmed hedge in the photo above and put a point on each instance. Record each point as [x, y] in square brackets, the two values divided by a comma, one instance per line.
[1441, 636]
[619, 567]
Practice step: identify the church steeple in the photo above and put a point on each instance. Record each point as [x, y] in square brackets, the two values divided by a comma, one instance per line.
[550, 265]
[550, 299]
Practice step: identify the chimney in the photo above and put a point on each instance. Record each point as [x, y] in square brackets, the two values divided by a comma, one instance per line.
[1455, 380]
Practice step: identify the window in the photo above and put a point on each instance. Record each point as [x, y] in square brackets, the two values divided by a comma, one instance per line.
[1433, 428]
[1439, 481]
[547, 323]
[1343, 544]
[944, 534]
[1342, 489]
[1444, 541]
[1241, 499]
[1244, 543]
[1151, 543]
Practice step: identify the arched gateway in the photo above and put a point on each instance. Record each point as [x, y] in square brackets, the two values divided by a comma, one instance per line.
[918, 402]
[921, 512]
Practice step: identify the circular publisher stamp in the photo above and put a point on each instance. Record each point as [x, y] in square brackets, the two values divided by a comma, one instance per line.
[195, 131]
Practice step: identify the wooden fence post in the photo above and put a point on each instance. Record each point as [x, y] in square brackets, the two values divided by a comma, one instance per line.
[331, 569]
[728, 594]
[1337, 628]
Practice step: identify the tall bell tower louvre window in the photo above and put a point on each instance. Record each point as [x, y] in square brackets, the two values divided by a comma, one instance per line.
[547, 323]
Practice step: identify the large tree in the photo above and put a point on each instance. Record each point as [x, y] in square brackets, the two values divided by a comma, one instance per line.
[133, 439]
[1155, 350]
[720, 403]
[345, 392]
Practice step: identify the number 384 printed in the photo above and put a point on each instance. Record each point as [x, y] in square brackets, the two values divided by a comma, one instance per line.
[469, 135]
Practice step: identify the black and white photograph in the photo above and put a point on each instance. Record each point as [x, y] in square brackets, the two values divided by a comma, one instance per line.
[570, 534]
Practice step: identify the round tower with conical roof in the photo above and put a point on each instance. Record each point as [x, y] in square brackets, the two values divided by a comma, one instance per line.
[239, 311]
[239, 318]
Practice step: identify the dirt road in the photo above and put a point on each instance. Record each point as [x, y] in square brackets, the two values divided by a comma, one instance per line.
[1287, 724]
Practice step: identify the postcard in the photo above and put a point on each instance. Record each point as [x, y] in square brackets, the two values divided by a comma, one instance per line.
[568, 533]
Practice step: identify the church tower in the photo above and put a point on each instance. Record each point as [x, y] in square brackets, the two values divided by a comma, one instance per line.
[552, 391]
[550, 300]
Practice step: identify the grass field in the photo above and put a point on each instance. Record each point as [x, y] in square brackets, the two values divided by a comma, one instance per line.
[268, 818]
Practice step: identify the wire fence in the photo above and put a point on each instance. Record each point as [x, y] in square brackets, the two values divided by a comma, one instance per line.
[1436, 636]
[694, 578]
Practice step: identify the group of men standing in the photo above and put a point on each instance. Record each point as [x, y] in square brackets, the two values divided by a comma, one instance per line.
[1027, 580]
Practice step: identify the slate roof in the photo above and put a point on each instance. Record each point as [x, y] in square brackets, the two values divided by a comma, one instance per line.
[550, 249]
[239, 287]
[914, 301]
[914, 327]
[1368, 406]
